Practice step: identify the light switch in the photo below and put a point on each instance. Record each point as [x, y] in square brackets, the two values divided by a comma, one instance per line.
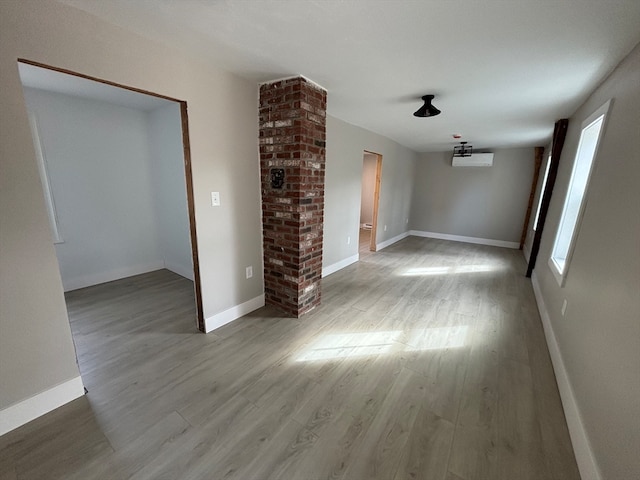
[215, 199]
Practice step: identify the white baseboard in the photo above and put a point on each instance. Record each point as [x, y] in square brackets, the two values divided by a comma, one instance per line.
[460, 238]
[233, 313]
[23, 412]
[186, 272]
[391, 241]
[103, 277]
[581, 446]
[328, 270]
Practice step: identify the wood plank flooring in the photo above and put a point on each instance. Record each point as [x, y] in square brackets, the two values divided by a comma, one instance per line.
[426, 360]
[364, 243]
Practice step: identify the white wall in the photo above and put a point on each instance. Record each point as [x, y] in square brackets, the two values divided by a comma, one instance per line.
[479, 202]
[36, 348]
[101, 178]
[169, 189]
[345, 146]
[369, 163]
[597, 358]
[117, 178]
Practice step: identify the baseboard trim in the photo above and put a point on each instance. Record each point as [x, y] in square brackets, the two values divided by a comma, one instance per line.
[391, 241]
[328, 270]
[460, 238]
[23, 412]
[104, 277]
[581, 446]
[220, 319]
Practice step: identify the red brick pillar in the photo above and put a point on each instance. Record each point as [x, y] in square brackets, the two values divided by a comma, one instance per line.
[292, 164]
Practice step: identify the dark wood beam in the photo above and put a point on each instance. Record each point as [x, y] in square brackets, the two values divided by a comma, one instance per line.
[559, 135]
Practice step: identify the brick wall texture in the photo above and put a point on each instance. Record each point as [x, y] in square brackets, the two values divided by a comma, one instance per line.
[292, 141]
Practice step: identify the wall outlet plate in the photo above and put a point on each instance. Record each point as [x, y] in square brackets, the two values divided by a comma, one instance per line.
[249, 271]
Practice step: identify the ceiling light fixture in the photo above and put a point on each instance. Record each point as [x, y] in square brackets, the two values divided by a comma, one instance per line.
[462, 150]
[427, 110]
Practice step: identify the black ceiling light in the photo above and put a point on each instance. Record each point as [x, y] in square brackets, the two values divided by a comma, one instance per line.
[427, 110]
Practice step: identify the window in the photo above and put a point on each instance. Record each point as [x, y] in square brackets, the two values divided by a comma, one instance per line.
[574, 202]
[544, 184]
[44, 177]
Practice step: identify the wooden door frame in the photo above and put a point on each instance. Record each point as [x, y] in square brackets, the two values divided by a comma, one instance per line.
[373, 247]
[187, 171]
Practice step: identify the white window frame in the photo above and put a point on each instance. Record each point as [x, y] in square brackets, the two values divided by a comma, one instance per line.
[560, 271]
[43, 169]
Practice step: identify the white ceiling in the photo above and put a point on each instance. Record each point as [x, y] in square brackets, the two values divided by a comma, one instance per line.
[502, 71]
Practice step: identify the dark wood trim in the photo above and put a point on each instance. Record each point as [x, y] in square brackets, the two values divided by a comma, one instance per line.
[537, 158]
[96, 79]
[186, 146]
[559, 135]
[187, 171]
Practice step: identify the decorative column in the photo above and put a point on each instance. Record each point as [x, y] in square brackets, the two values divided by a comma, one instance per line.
[292, 166]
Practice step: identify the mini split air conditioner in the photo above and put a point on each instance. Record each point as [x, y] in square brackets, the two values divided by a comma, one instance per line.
[474, 160]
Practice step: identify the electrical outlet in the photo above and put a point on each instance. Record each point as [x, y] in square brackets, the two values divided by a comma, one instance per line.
[249, 271]
[348, 240]
[406, 221]
[564, 307]
[215, 199]
[385, 228]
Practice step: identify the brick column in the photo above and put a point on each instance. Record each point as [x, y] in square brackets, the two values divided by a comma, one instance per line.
[292, 165]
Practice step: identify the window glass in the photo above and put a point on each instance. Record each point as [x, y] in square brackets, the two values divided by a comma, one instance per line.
[574, 201]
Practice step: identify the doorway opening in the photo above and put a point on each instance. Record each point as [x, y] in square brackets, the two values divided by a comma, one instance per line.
[115, 165]
[370, 196]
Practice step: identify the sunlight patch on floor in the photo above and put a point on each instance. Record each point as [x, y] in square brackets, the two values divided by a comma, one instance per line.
[437, 338]
[342, 345]
[454, 269]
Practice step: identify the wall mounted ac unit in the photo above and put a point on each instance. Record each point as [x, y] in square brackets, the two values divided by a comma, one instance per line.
[474, 160]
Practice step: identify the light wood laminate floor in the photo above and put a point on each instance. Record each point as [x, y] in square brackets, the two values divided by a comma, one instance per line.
[426, 360]
[364, 243]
